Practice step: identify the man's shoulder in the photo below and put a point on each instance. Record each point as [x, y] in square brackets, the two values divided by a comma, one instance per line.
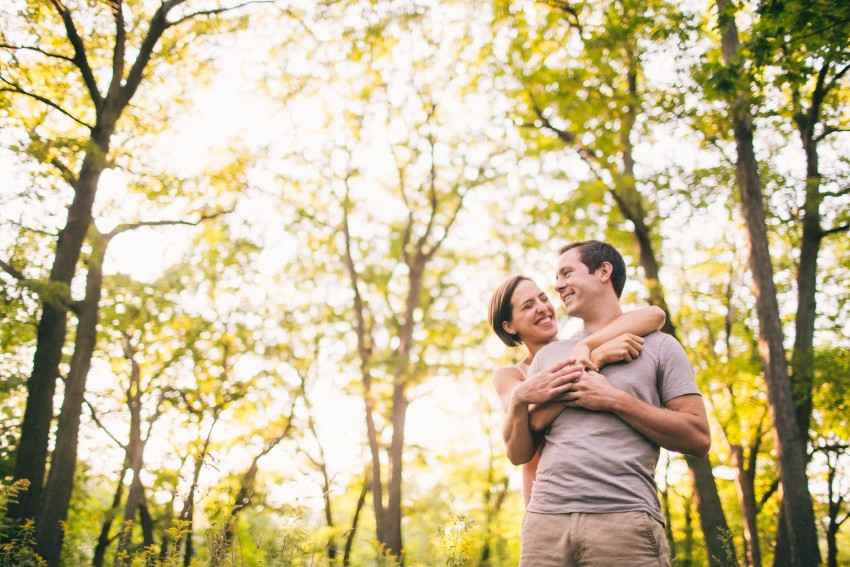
[665, 346]
[661, 338]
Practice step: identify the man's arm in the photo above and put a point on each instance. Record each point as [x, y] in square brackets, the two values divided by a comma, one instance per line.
[518, 396]
[681, 425]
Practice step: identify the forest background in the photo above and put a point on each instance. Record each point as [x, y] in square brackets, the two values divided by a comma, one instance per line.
[246, 250]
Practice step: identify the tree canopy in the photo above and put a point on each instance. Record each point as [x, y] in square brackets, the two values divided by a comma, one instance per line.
[246, 250]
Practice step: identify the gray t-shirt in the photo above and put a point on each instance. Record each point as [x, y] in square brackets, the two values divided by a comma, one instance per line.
[593, 462]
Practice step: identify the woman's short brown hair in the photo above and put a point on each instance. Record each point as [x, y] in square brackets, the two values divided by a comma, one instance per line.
[501, 310]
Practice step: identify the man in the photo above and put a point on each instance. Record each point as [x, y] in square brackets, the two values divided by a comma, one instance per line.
[595, 501]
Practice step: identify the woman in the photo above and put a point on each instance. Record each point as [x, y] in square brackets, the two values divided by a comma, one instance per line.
[521, 313]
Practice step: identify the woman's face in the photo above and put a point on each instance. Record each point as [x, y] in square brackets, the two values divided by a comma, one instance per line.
[532, 314]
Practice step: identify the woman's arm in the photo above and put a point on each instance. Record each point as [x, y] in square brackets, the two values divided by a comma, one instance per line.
[637, 322]
[519, 396]
[520, 443]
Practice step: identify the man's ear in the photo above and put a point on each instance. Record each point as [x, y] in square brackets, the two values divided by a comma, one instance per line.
[605, 272]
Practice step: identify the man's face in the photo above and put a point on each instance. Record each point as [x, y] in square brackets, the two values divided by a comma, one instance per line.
[574, 283]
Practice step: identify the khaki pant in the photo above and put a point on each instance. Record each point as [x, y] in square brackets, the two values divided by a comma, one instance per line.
[624, 539]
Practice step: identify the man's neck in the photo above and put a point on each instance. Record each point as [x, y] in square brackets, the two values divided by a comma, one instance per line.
[601, 317]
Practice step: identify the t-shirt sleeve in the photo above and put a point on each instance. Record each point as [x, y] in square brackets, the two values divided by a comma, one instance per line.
[536, 363]
[676, 375]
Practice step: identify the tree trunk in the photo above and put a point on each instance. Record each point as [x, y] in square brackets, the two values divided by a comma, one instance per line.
[188, 513]
[103, 539]
[687, 560]
[492, 508]
[718, 537]
[246, 484]
[167, 520]
[802, 359]
[394, 473]
[797, 501]
[715, 528]
[240, 502]
[146, 523]
[361, 501]
[63, 463]
[135, 456]
[330, 545]
[32, 449]
[745, 483]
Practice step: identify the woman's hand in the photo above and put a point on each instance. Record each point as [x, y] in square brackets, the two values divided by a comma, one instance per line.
[548, 384]
[624, 348]
[582, 355]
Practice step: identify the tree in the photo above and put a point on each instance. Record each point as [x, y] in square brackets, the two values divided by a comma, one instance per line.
[811, 49]
[797, 504]
[57, 491]
[830, 449]
[51, 42]
[392, 261]
[595, 100]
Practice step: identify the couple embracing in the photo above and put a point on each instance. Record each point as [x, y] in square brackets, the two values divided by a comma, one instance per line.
[586, 416]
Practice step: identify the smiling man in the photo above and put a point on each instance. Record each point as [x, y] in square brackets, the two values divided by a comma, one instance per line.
[595, 501]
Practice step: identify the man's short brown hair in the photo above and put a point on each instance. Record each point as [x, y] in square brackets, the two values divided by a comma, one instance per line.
[594, 253]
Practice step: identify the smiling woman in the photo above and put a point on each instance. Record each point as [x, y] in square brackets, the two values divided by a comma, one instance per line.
[521, 313]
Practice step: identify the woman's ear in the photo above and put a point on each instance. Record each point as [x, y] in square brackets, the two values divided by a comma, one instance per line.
[508, 328]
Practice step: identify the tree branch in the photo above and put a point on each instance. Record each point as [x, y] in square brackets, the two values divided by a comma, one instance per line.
[569, 10]
[9, 269]
[100, 424]
[839, 193]
[831, 448]
[432, 183]
[768, 493]
[79, 59]
[836, 229]
[37, 50]
[363, 334]
[217, 11]
[828, 132]
[13, 88]
[121, 228]
[569, 138]
[119, 50]
[837, 77]
[157, 26]
[66, 173]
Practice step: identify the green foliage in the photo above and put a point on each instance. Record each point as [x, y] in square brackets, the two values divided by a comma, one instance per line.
[454, 540]
[832, 390]
[18, 548]
[525, 125]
